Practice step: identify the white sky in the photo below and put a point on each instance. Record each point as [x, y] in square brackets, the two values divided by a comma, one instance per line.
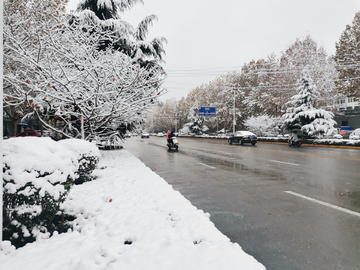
[207, 38]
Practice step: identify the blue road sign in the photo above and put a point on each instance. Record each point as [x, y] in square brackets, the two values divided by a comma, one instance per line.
[207, 111]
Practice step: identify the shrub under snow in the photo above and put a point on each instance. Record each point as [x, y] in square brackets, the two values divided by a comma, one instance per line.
[88, 156]
[37, 176]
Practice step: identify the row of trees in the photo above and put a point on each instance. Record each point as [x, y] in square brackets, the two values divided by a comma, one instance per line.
[271, 86]
[86, 74]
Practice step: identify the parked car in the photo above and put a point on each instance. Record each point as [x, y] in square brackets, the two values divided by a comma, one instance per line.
[160, 134]
[28, 132]
[243, 137]
[145, 135]
[355, 135]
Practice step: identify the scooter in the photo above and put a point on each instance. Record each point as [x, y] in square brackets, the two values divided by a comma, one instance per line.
[174, 144]
[296, 142]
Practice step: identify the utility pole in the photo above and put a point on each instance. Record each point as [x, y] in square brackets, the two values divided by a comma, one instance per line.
[175, 122]
[234, 122]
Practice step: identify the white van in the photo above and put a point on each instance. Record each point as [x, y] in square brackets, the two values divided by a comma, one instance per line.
[355, 135]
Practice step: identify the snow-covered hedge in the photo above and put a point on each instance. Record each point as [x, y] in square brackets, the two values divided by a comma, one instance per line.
[88, 156]
[37, 176]
[345, 142]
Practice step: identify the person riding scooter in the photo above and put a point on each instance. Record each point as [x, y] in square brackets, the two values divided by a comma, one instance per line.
[169, 136]
[172, 141]
[295, 138]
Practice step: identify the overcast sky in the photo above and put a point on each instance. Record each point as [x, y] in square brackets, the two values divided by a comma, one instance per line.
[207, 38]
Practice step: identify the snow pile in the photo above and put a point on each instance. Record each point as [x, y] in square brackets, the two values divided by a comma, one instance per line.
[130, 218]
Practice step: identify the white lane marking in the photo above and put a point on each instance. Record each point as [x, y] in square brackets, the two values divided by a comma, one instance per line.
[207, 166]
[325, 203]
[287, 163]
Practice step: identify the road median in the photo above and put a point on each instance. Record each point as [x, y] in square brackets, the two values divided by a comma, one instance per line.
[329, 143]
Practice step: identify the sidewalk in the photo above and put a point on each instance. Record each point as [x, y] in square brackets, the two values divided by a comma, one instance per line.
[130, 218]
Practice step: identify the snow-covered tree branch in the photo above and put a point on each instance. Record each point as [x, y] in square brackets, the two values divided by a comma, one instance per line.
[58, 71]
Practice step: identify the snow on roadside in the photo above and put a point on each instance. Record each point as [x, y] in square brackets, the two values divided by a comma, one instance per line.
[130, 218]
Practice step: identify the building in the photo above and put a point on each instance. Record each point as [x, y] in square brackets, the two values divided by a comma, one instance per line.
[348, 113]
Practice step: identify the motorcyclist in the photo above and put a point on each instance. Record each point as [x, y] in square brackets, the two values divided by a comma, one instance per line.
[169, 136]
[293, 137]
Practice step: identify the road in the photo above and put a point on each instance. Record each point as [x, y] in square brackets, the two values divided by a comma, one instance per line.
[290, 208]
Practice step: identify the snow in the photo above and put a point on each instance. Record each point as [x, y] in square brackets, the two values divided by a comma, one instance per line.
[245, 133]
[128, 218]
[349, 142]
[28, 157]
[303, 115]
[81, 147]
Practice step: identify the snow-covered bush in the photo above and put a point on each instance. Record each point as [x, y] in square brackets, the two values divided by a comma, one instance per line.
[37, 176]
[88, 156]
[185, 130]
[338, 142]
[262, 124]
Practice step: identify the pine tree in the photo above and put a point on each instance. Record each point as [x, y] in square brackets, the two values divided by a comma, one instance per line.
[302, 115]
[347, 58]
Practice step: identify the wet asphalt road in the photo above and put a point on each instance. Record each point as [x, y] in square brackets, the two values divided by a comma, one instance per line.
[290, 208]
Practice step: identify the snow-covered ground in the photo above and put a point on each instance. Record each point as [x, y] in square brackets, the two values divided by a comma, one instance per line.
[130, 218]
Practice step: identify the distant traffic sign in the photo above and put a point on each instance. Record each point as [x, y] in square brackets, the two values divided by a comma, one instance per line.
[207, 111]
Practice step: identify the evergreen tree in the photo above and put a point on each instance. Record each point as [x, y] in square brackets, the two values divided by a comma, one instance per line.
[196, 124]
[126, 39]
[303, 115]
[347, 58]
[305, 53]
[106, 9]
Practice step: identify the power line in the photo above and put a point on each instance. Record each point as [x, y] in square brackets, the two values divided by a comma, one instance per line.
[275, 70]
